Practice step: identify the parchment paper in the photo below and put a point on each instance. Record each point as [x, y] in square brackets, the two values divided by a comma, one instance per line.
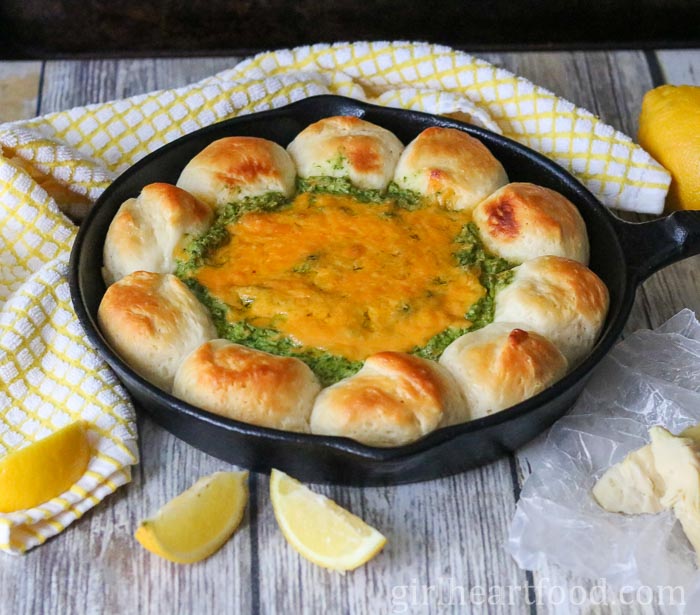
[650, 378]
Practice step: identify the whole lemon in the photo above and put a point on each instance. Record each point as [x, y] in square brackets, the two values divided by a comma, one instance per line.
[669, 129]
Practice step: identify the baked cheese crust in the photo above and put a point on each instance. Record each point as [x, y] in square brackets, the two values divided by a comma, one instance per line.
[383, 278]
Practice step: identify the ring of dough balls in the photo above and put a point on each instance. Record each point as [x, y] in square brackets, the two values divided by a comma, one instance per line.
[557, 298]
[233, 168]
[451, 167]
[248, 385]
[394, 399]
[150, 231]
[546, 319]
[349, 147]
[153, 321]
[501, 365]
[522, 221]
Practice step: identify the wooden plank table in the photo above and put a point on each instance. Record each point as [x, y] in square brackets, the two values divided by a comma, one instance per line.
[447, 534]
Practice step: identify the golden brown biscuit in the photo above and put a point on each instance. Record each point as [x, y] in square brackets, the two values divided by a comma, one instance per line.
[501, 365]
[558, 298]
[448, 165]
[248, 385]
[522, 221]
[346, 146]
[149, 232]
[394, 399]
[153, 321]
[232, 168]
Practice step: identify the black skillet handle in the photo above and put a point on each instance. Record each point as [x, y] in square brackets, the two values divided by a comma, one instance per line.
[649, 246]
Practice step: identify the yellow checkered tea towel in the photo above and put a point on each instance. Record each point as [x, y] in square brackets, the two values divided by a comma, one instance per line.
[63, 161]
[49, 376]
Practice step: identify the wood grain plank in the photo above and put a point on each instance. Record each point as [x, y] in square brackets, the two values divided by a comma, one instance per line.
[446, 535]
[96, 566]
[611, 85]
[182, 71]
[101, 80]
[680, 66]
[70, 83]
[19, 88]
[445, 540]
[422, 518]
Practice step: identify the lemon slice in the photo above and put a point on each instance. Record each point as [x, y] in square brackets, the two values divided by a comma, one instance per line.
[196, 523]
[319, 529]
[45, 469]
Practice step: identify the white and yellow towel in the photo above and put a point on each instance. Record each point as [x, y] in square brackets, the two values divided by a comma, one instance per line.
[63, 161]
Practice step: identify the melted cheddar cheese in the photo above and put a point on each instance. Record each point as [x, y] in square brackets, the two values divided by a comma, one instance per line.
[346, 277]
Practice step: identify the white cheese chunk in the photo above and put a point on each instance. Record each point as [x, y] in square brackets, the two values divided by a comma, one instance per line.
[661, 475]
[632, 486]
[677, 459]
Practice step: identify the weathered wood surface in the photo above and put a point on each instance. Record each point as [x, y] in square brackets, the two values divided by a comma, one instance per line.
[612, 85]
[19, 90]
[447, 535]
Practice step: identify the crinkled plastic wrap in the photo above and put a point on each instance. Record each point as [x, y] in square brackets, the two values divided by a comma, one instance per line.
[650, 378]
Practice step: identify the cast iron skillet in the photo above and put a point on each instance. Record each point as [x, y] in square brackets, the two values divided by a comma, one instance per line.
[622, 254]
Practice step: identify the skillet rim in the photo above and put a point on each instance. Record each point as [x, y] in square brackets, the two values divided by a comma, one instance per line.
[585, 199]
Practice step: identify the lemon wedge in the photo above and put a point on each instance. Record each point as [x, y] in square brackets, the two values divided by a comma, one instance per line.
[669, 129]
[44, 469]
[319, 529]
[196, 523]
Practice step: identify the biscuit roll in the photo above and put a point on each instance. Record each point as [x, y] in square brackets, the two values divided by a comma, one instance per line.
[248, 385]
[558, 298]
[501, 365]
[233, 168]
[153, 321]
[451, 167]
[522, 221]
[149, 232]
[346, 146]
[394, 399]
